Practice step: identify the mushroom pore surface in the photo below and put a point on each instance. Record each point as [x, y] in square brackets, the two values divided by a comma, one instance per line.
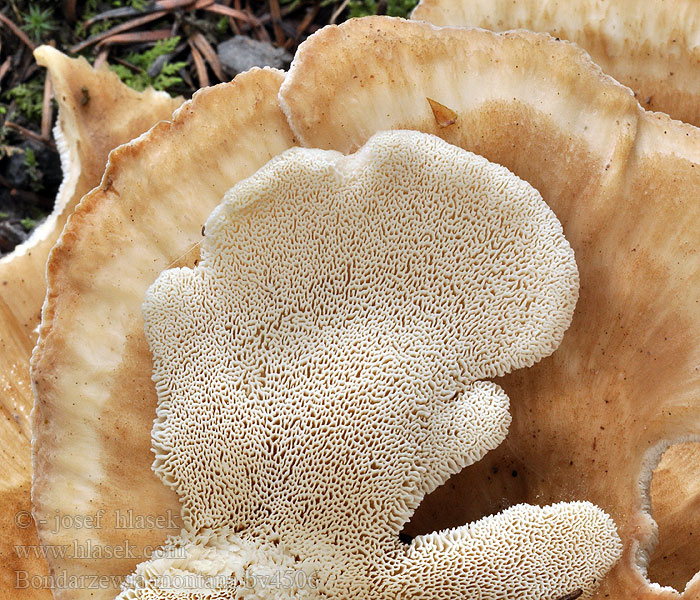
[323, 368]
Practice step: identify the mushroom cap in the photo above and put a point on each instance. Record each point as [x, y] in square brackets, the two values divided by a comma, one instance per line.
[587, 422]
[322, 369]
[91, 367]
[85, 133]
[677, 472]
[644, 45]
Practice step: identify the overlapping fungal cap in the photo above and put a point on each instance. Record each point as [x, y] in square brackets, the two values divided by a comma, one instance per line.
[674, 494]
[323, 368]
[644, 45]
[576, 135]
[96, 112]
[587, 421]
[91, 368]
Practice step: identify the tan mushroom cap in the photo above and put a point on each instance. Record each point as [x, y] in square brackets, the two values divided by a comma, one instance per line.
[677, 473]
[91, 368]
[90, 123]
[323, 368]
[589, 420]
[650, 46]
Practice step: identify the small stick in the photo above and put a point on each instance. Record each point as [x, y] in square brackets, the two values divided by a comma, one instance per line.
[171, 4]
[276, 18]
[340, 9]
[199, 66]
[101, 58]
[201, 4]
[187, 79]
[137, 36]
[118, 29]
[234, 13]
[209, 54]
[69, 10]
[5, 67]
[29, 134]
[231, 21]
[234, 26]
[17, 31]
[261, 33]
[126, 63]
[308, 19]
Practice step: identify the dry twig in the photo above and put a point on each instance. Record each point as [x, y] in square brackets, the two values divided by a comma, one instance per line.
[208, 53]
[118, 29]
[30, 134]
[5, 68]
[137, 36]
[233, 13]
[199, 66]
[17, 31]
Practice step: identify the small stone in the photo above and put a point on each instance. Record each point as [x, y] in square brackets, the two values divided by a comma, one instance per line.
[157, 65]
[241, 53]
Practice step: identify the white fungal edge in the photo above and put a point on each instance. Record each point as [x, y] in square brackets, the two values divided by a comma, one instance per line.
[70, 166]
[642, 553]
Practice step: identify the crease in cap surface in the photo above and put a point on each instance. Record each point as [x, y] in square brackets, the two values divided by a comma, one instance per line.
[322, 369]
[624, 184]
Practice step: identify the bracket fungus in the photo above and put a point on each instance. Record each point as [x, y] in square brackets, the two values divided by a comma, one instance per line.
[622, 182]
[649, 46]
[85, 133]
[323, 368]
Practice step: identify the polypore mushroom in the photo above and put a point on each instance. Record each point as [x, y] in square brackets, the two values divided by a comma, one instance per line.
[96, 112]
[675, 477]
[323, 367]
[644, 45]
[624, 184]
[539, 107]
[92, 367]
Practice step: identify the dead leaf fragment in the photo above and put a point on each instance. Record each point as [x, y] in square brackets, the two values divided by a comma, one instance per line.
[444, 116]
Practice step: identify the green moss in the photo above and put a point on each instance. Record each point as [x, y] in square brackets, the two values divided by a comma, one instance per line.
[29, 98]
[28, 223]
[33, 170]
[140, 80]
[38, 22]
[394, 8]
